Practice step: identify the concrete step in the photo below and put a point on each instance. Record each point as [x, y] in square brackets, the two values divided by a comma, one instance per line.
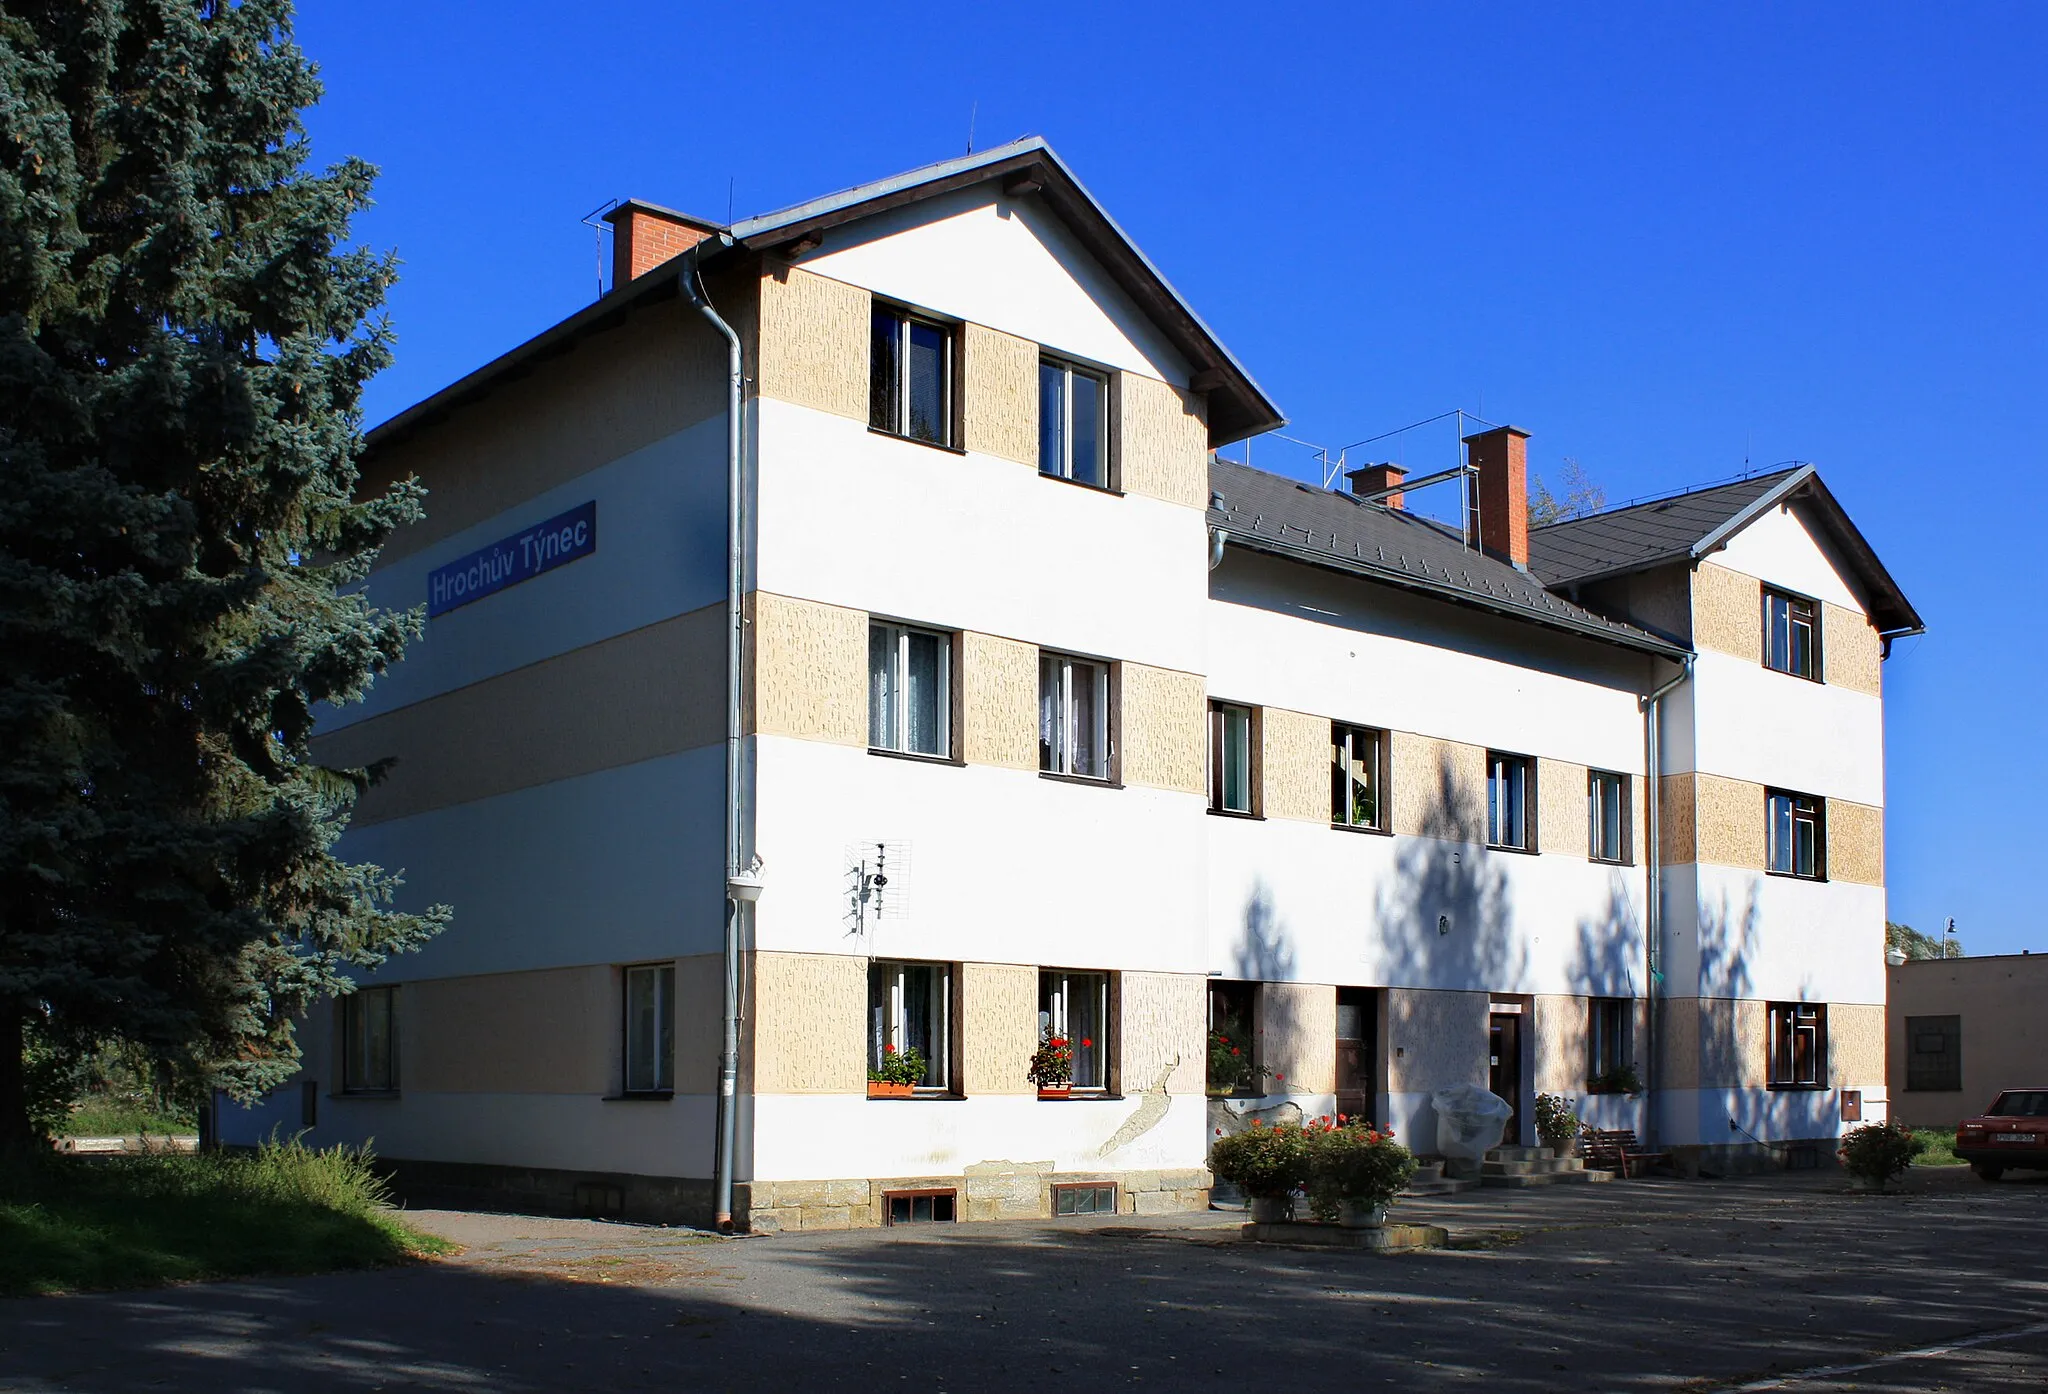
[1520, 1154]
[1442, 1186]
[1516, 1181]
[1539, 1166]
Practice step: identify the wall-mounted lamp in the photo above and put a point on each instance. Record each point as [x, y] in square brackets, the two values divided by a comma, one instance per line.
[746, 885]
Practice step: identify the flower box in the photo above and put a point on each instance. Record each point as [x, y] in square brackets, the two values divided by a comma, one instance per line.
[881, 1089]
[1060, 1091]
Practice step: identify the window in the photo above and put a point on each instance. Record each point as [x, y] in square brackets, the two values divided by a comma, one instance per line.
[1799, 1045]
[910, 377]
[1230, 758]
[651, 1029]
[1508, 786]
[910, 701]
[1076, 1006]
[1795, 845]
[1355, 777]
[1073, 716]
[910, 1007]
[1233, 1061]
[369, 1031]
[1607, 1033]
[920, 1207]
[1073, 423]
[1607, 816]
[1934, 1052]
[1791, 635]
[1084, 1198]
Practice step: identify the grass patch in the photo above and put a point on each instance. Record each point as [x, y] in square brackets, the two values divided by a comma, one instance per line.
[1938, 1148]
[76, 1223]
[99, 1115]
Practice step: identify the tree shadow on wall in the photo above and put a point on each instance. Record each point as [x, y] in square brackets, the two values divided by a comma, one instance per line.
[1608, 959]
[1444, 919]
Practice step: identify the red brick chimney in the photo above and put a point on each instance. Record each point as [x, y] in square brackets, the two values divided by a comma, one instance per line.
[1501, 458]
[1370, 479]
[644, 235]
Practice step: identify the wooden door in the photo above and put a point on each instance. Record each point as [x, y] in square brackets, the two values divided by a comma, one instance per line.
[1357, 1056]
[1504, 1068]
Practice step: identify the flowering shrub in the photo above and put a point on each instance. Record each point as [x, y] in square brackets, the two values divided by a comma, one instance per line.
[1878, 1152]
[1556, 1124]
[1230, 1062]
[899, 1067]
[1052, 1064]
[1350, 1159]
[1264, 1162]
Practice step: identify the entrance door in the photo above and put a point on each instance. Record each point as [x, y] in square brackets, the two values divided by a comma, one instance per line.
[1504, 1068]
[1357, 1038]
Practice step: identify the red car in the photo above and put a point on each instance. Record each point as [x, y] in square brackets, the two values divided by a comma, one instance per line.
[2013, 1132]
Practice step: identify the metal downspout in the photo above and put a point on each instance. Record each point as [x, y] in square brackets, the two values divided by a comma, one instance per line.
[735, 649]
[1653, 948]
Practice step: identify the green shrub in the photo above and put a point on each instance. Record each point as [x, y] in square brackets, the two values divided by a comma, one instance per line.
[1878, 1152]
[1937, 1148]
[1264, 1162]
[1352, 1160]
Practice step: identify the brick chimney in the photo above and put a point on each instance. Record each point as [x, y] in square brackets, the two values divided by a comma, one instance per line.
[1370, 479]
[1501, 458]
[644, 235]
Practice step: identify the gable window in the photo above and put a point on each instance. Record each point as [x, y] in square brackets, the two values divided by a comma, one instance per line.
[1607, 1043]
[651, 1028]
[910, 1008]
[1934, 1053]
[1230, 757]
[1799, 1045]
[909, 690]
[1509, 783]
[1795, 844]
[1607, 816]
[369, 1036]
[1791, 634]
[1076, 1006]
[910, 377]
[1073, 423]
[1073, 716]
[1355, 768]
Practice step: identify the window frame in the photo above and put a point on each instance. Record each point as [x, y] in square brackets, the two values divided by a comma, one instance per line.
[352, 1007]
[1784, 1022]
[1341, 734]
[1219, 711]
[901, 634]
[662, 1085]
[1610, 1030]
[1951, 1027]
[1061, 750]
[896, 421]
[1807, 808]
[1497, 760]
[1054, 1014]
[1625, 829]
[940, 1060]
[1070, 369]
[1793, 602]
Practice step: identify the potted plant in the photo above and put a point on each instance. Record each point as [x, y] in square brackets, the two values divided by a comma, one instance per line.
[1231, 1070]
[1052, 1068]
[898, 1074]
[1622, 1079]
[1556, 1124]
[1876, 1153]
[1355, 1171]
[1267, 1163]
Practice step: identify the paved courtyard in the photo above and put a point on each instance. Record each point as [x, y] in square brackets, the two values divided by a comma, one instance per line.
[1778, 1283]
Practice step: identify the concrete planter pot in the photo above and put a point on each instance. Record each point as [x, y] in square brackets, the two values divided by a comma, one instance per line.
[879, 1090]
[1362, 1214]
[1270, 1210]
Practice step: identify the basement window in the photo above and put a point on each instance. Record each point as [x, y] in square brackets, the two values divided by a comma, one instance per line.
[910, 376]
[920, 1207]
[1084, 1198]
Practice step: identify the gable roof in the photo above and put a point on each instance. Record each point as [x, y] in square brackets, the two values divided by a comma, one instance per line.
[1238, 406]
[1282, 517]
[1688, 526]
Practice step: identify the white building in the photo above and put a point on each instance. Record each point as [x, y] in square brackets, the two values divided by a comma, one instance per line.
[1051, 722]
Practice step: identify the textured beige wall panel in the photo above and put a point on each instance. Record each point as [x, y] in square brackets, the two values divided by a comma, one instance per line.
[1638, 820]
[647, 693]
[1164, 441]
[1855, 843]
[813, 347]
[1439, 787]
[1562, 824]
[810, 670]
[1856, 1045]
[1560, 1045]
[1297, 1031]
[1434, 1039]
[1678, 1043]
[807, 1026]
[1730, 820]
[1734, 1044]
[1295, 764]
[700, 1011]
[1727, 612]
[1164, 728]
[999, 1027]
[548, 1032]
[1850, 650]
[1162, 1021]
[998, 702]
[1678, 833]
[617, 391]
[1000, 396]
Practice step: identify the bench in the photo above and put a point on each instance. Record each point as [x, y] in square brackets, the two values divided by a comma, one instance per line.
[1617, 1150]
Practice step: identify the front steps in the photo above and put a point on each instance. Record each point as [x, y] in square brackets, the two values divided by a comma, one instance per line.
[1429, 1180]
[1534, 1166]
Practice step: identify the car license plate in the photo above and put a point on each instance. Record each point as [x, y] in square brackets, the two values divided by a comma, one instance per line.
[2012, 1137]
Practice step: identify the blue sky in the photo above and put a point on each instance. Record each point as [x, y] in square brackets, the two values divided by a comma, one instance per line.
[1666, 243]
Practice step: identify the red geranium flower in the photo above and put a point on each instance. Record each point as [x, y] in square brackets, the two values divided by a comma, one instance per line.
[1086, 1043]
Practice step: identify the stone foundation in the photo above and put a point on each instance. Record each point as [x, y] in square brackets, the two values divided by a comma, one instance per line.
[984, 1191]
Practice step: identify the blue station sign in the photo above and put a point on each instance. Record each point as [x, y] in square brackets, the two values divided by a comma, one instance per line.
[520, 557]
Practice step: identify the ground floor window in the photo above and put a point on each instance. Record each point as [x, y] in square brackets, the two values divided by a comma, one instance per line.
[651, 1028]
[369, 1034]
[1799, 1045]
[1934, 1052]
[1076, 1007]
[1233, 1064]
[910, 1014]
[1610, 1066]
